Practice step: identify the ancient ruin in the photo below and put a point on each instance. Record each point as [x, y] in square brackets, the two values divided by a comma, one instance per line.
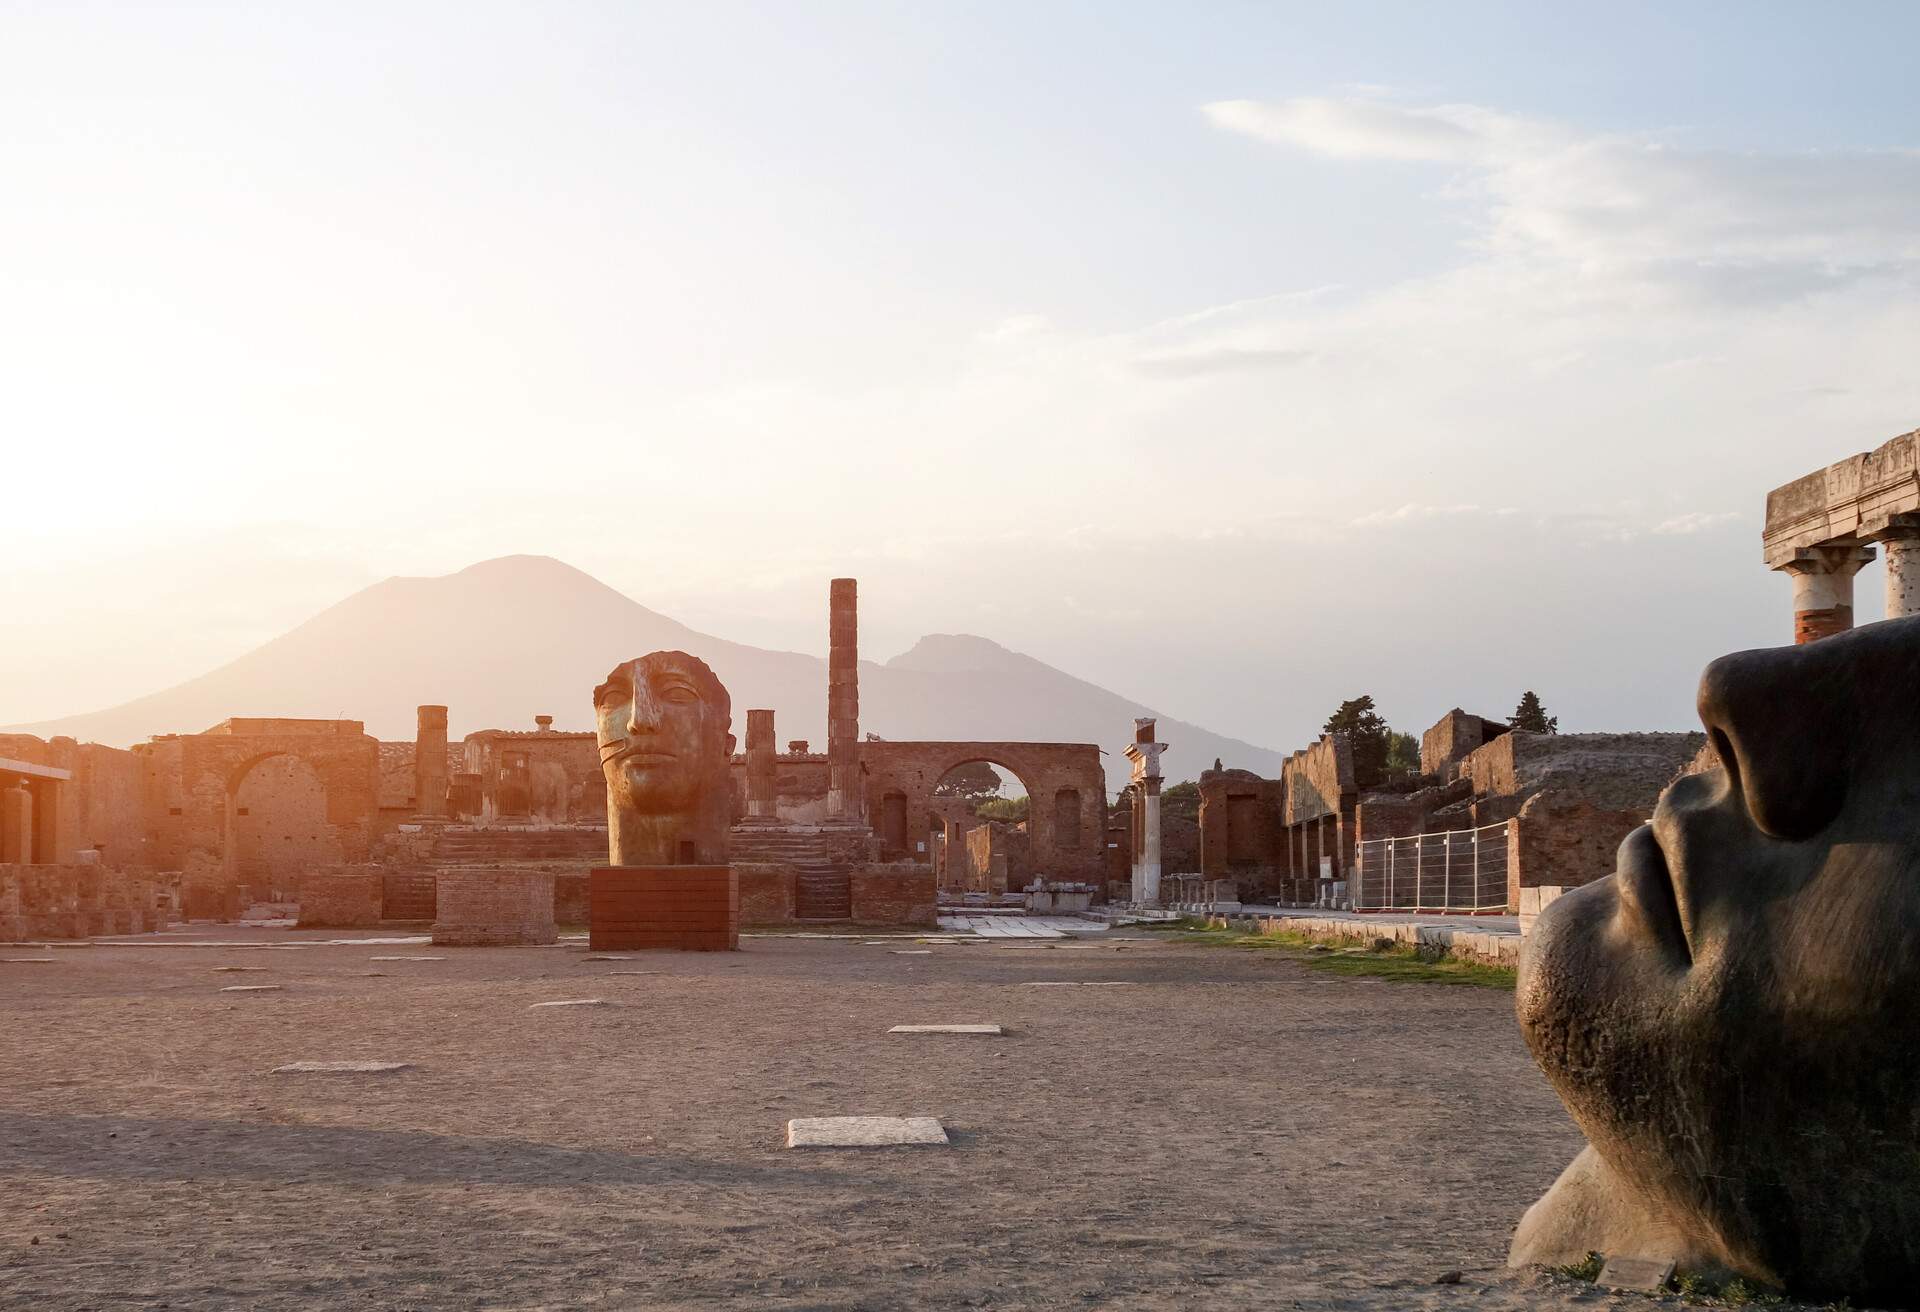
[1726, 1018]
[1822, 528]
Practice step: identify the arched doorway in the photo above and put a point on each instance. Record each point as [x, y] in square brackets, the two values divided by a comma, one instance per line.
[978, 829]
[277, 824]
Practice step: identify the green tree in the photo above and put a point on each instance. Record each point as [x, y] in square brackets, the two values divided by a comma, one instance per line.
[976, 781]
[1531, 717]
[1403, 754]
[1368, 735]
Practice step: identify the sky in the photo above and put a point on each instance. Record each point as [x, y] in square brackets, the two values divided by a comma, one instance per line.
[1239, 358]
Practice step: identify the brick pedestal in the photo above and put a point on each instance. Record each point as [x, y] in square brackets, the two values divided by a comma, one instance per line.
[486, 907]
[693, 908]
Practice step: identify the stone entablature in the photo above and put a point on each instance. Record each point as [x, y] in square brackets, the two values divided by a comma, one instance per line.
[1818, 528]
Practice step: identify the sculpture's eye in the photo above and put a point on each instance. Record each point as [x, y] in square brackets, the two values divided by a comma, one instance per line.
[678, 694]
[610, 694]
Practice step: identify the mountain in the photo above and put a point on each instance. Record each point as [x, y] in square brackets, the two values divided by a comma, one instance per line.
[506, 639]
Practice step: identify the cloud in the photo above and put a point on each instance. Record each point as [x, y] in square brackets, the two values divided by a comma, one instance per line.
[1737, 227]
[1695, 521]
[1355, 128]
[1217, 360]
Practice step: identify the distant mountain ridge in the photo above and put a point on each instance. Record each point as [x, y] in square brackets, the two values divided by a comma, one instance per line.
[504, 640]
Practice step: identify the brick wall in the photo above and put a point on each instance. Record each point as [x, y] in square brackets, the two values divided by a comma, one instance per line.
[1563, 841]
[898, 894]
[494, 907]
[343, 897]
[74, 901]
[767, 893]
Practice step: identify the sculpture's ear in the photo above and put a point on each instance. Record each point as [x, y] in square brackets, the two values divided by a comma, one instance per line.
[1783, 722]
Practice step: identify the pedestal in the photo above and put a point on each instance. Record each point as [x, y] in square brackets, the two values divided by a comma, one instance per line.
[692, 908]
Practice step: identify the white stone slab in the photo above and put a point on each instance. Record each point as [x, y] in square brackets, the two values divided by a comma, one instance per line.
[913, 952]
[1074, 983]
[342, 1067]
[251, 988]
[27, 961]
[572, 1002]
[631, 973]
[946, 1029]
[406, 958]
[605, 958]
[864, 1131]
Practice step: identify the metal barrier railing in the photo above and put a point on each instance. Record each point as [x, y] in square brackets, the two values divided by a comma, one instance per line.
[1462, 871]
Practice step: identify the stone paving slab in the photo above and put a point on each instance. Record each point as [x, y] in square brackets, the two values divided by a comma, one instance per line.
[865, 1132]
[572, 1002]
[406, 958]
[946, 1029]
[1074, 983]
[342, 1067]
[252, 988]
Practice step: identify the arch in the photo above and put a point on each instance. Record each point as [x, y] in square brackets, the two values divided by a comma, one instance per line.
[277, 822]
[1044, 770]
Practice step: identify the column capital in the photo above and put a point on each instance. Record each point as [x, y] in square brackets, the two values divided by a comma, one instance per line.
[1842, 558]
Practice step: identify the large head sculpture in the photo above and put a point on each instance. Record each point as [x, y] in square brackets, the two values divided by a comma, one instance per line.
[1733, 1018]
[662, 722]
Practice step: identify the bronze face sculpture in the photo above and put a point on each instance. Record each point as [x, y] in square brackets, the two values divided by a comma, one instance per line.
[662, 722]
[1733, 1018]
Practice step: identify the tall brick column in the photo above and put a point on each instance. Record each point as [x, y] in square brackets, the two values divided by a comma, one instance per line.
[1900, 540]
[430, 762]
[761, 791]
[843, 700]
[1823, 588]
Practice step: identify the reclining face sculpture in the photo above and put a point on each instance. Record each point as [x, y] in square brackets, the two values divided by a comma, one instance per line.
[1733, 1018]
[662, 722]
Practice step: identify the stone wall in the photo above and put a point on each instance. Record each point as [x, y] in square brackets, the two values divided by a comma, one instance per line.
[1610, 771]
[539, 775]
[1066, 782]
[1444, 745]
[896, 894]
[1563, 841]
[767, 892]
[102, 807]
[996, 857]
[494, 908]
[1239, 829]
[342, 897]
[1318, 780]
[75, 901]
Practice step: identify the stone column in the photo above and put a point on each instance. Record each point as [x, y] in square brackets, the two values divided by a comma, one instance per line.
[45, 797]
[761, 790]
[1900, 540]
[1144, 755]
[843, 700]
[1823, 588]
[16, 825]
[430, 762]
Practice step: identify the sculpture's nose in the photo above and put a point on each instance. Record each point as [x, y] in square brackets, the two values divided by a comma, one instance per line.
[644, 717]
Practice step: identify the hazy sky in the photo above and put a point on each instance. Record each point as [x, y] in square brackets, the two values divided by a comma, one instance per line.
[1240, 358]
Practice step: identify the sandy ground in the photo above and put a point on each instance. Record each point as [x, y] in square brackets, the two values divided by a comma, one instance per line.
[1230, 1130]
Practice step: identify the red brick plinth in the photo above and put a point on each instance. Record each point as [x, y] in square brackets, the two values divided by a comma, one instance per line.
[693, 908]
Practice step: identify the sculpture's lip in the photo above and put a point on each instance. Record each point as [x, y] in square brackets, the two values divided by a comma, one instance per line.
[1648, 895]
[643, 756]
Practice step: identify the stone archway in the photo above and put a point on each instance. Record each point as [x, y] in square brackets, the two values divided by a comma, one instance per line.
[277, 821]
[1054, 775]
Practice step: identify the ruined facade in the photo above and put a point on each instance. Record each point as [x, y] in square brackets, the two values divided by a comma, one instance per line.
[1822, 528]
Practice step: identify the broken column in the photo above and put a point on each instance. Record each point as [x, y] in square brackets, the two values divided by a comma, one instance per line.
[1823, 588]
[430, 762]
[16, 824]
[843, 700]
[1900, 541]
[1144, 755]
[761, 791]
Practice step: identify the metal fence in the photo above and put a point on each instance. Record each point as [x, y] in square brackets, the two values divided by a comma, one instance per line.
[1463, 871]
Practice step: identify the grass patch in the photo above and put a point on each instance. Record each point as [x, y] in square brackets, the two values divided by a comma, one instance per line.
[1384, 960]
[1588, 1270]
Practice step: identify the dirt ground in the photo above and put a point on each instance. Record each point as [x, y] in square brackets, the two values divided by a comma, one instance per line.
[1230, 1130]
